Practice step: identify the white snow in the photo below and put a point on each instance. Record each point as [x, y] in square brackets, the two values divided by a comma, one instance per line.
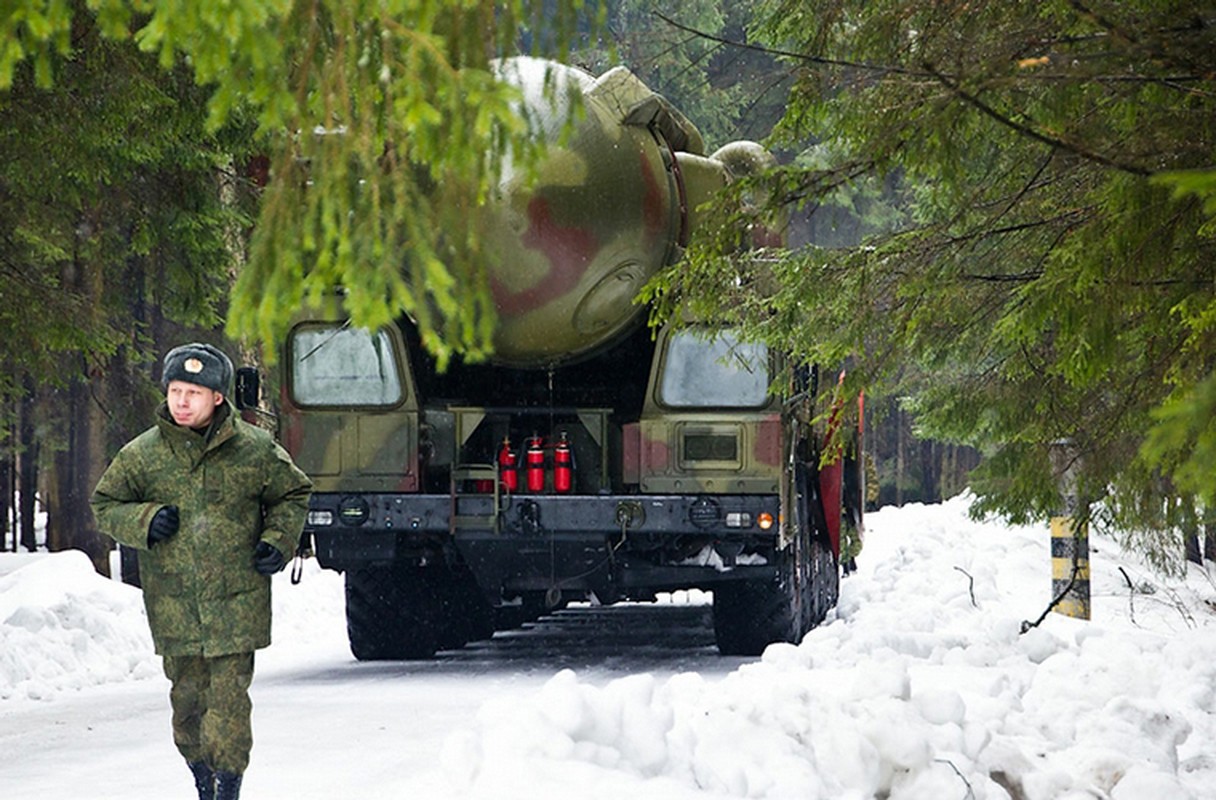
[65, 627]
[920, 686]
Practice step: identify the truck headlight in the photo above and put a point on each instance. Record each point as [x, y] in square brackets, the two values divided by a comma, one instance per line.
[319, 519]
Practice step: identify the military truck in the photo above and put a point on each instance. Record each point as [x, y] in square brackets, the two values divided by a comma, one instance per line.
[593, 458]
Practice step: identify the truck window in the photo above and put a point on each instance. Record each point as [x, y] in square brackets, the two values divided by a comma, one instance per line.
[713, 369]
[343, 366]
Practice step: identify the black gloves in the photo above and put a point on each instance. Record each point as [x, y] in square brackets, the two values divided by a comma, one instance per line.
[163, 525]
[267, 559]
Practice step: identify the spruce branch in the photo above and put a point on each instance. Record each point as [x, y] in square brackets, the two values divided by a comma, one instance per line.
[1172, 81]
[1054, 142]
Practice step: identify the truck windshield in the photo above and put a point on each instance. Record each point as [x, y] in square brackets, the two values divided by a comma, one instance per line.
[343, 366]
[712, 369]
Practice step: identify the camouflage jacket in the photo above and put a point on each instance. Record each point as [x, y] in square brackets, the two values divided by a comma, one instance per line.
[201, 591]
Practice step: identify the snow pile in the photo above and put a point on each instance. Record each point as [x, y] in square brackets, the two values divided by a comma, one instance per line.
[63, 626]
[308, 617]
[920, 687]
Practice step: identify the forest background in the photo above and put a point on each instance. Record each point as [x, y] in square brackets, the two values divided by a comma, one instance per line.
[1000, 216]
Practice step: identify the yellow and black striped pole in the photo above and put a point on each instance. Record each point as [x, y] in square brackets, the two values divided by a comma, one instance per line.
[1070, 567]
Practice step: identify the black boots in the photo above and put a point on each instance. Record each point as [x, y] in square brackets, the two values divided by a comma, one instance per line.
[227, 786]
[214, 785]
[204, 779]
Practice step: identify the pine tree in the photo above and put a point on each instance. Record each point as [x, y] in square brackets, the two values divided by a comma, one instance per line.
[381, 130]
[1051, 282]
[383, 126]
[109, 216]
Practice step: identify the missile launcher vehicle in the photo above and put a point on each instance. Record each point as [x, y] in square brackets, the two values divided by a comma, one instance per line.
[592, 458]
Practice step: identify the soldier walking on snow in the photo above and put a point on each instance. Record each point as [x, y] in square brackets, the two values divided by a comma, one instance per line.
[214, 506]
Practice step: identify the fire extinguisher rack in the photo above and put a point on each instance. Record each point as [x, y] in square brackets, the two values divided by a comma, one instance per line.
[544, 435]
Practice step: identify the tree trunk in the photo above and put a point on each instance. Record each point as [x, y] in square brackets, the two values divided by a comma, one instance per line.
[1191, 540]
[56, 534]
[75, 475]
[945, 470]
[79, 465]
[28, 476]
[930, 472]
[1209, 541]
[6, 491]
[900, 459]
[130, 405]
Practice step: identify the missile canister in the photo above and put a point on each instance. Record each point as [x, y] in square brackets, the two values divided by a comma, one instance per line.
[613, 201]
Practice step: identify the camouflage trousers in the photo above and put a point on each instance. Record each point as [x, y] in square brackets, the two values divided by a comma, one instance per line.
[211, 709]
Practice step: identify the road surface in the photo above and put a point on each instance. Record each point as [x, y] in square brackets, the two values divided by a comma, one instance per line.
[327, 726]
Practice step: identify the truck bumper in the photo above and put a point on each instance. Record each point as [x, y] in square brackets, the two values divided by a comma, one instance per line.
[613, 545]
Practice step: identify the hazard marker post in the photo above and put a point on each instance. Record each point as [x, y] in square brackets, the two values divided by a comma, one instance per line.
[1069, 541]
[1070, 567]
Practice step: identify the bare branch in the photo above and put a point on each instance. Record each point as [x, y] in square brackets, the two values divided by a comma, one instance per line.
[970, 791]
[970, 586]
[1059, 598]
[1016, 277]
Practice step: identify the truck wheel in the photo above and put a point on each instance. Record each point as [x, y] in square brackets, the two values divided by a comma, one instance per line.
[391, 614]
[750, 615]
[466, 616]
[820, 564]
[824, 583]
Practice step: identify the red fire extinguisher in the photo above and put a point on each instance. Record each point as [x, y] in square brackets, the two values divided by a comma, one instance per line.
[534, 465]
[563, 465]
[508, 473]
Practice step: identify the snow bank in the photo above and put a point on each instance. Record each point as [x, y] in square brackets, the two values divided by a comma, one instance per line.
[63, 626]
[920, 687]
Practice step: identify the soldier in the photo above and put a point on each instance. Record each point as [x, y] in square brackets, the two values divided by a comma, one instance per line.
[214, 506]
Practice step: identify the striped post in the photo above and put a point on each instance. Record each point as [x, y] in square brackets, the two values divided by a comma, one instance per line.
[1070, 567]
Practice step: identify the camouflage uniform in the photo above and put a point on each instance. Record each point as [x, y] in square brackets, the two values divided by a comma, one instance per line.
[208, 608]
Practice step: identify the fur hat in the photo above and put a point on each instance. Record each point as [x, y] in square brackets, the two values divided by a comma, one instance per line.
[200, 364]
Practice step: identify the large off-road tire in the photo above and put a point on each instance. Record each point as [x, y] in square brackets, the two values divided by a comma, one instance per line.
[391, 614]
[465, 615]
[402, 612]
[750, 615]
[824, 584]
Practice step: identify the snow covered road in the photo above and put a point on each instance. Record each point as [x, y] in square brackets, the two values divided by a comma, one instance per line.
[919, 686]
[327, 726]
